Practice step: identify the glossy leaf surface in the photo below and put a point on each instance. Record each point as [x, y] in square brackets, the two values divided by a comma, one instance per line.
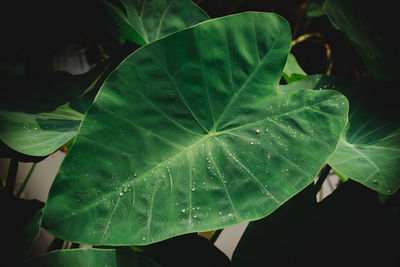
[39, 115]
[190, 134]
[92, 258]
[349, 227]
[369, 150]
[143, 21]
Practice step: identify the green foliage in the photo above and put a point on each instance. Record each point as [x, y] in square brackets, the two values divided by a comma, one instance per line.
[144, 21]
[292, 71]
[20, 226]
[193, 132]
[92, 258]
[371, 34]
[209, 148]
[348, 228]
[369, 149]
[39, 115]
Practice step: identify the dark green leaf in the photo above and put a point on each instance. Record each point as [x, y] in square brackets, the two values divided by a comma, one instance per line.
[186, 250]
[372, 34]
[369, 150]
[348, 228]
[91, 257]
[39, 115]
[315, 8]
[292, 71]
[144, 21]
[190, 134]
[20, 225]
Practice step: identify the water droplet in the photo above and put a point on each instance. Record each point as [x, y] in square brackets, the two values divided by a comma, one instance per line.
[230, 214]
[134, 175]
[251, 143]
[269, 156]
[183, 211]
[375, 181]
[121, 194]
[219, 213]
[266, 130]
[193, 189]
[144, 238]
[195, 216]
[72, 214]
[94, 232]
[258, 131]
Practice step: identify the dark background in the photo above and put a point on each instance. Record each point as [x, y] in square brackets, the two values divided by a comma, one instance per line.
[35, 33]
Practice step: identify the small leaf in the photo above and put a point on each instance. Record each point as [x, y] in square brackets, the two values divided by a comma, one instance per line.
[292, 71]
[144, 21]
[315, 8]
[91, 257]
[189, 134]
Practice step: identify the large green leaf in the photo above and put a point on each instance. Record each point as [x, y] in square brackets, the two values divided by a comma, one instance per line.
[39, 115]
[372, 35]
[143, 21]
[369, 150]
[92, 257]
[348, 228]
[190, 134]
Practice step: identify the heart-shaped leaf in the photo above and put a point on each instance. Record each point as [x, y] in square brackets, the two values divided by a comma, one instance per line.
[39, 115]
[369, 150]
[91, 257]
[190, 134]
[143, 21]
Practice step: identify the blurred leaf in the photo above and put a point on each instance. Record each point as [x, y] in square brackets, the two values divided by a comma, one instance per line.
[189, 134]
[348, 228]
[315, 8]
[20, 226]
[186, 250]
[90, 257]
[373, 35]
[144, 21]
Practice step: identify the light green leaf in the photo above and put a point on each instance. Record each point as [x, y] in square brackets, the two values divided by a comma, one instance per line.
[91, 257]
[369, 150]
[292, 71]
[143, 21]
[190, 134]
[372, 35]
[40, 115]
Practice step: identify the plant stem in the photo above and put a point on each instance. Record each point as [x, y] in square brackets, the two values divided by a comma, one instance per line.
[322, 177]
[11, 176]
[26, 179]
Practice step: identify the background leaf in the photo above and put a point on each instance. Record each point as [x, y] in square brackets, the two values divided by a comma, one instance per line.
[371, 34]
[369, 150]
[92, 257]
[39, 115]
[190, 134]
[292, 71]
[20, 226]
[143, 21]
[348, 228]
